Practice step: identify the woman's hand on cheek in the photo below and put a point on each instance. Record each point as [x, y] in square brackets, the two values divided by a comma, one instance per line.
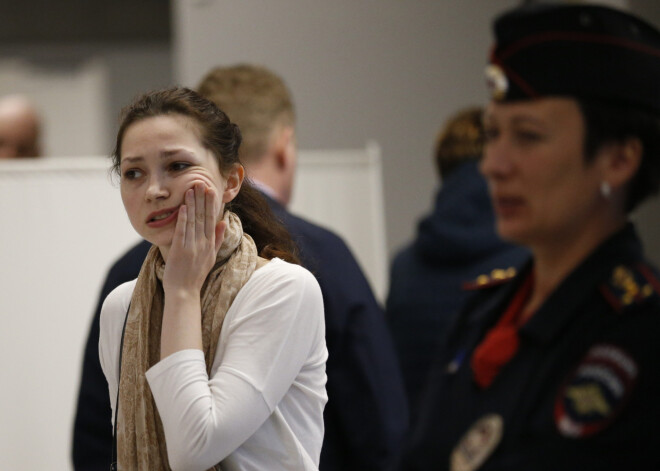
[196, 241]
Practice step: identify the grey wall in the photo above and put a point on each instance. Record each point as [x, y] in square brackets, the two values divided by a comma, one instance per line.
[83, 121]
[387, 70]
[126, 44]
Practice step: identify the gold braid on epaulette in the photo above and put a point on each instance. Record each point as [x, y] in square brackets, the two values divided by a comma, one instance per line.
[630, 285]
[494, 278]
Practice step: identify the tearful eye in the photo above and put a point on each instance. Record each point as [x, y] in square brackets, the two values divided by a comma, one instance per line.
[131, 174]
[178, 166]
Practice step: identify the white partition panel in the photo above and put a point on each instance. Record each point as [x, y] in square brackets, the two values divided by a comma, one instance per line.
[343, 190]
[63, 225]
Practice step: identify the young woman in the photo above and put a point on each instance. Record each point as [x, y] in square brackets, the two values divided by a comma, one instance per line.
[216, 352]
[556, 367]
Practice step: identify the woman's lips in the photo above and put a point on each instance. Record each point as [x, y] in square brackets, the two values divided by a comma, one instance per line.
[506, 206]
[163, 217]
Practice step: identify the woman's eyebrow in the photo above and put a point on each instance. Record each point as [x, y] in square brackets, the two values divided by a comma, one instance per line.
[171, 152]
[522, 119]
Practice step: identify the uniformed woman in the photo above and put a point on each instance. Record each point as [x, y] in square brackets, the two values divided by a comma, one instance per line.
[557, 367]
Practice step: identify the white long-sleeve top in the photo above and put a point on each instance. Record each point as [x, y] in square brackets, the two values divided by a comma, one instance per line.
[262, 407]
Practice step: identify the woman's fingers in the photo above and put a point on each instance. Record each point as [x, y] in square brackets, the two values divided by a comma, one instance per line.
[190, 224]
[199, 223]
[195, 238]
[180, 228]
[210, 216]
[202, 203]
[200, 211]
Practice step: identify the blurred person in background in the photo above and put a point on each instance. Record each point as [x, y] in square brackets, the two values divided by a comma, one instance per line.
[20, 128]
[556, 367]
[454, 244]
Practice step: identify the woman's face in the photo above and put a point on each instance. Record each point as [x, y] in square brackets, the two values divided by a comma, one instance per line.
[161, 158]
[541, 187]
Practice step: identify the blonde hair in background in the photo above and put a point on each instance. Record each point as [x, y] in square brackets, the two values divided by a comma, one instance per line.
[253, 97]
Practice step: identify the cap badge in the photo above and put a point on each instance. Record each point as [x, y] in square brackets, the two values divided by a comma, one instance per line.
[478, 443]
[496, 81]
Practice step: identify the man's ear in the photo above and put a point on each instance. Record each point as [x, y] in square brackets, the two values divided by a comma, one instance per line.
[284, 146]
[234, 182]
[623, 160]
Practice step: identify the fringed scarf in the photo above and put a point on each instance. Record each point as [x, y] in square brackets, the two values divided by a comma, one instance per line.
[140, 436]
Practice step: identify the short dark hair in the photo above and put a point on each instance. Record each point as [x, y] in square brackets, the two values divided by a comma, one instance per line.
[610, 123]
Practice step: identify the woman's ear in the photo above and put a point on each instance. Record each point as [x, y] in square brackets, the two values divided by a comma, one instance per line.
[623, 161]
[234, 181]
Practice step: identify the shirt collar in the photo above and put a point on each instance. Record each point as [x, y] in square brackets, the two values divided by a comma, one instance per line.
[264, 188]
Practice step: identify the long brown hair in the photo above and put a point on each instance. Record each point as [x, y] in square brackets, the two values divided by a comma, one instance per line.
[223, 138]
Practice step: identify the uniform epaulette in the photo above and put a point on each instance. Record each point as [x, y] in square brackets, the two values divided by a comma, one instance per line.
[629, 285]
[496, 277]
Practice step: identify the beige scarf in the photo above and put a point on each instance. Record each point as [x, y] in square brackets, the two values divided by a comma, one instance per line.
[140, 436]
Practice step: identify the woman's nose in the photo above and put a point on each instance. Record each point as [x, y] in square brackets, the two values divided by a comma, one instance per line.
[156, 189]
[496, 161]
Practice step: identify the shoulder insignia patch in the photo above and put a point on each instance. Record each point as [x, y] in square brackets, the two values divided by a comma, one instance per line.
[595, 392]
[628, 285]
[494, 278]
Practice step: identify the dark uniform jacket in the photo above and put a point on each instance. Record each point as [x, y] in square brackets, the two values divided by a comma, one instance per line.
[454, 244]
[366, 415]
[581, 393]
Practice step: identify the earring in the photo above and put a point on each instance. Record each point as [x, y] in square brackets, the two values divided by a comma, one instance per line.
[605, 190]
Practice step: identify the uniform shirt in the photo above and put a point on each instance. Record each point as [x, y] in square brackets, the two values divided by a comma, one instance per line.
[262, 406]
[581, 393]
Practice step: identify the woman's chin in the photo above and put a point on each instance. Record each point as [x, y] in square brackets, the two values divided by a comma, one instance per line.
[162, 241]
[511, 231]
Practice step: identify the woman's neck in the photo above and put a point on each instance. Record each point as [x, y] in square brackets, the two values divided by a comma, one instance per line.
[555, 259]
